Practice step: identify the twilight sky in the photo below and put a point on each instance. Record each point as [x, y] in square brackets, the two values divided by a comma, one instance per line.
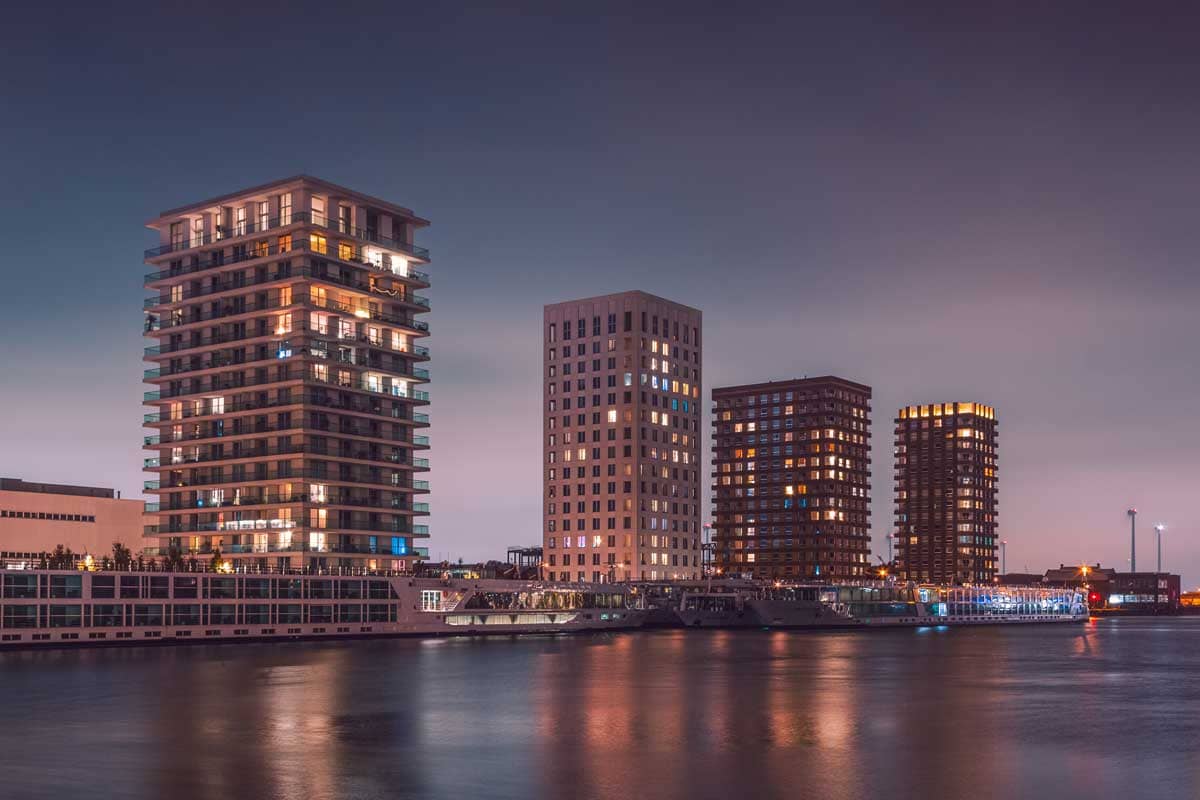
[944, 202]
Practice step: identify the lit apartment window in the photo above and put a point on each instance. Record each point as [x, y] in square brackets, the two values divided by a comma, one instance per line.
[318, 211]
[285, 208]
[318, 243]
[343, 219]
[264, 215]
[239, 221]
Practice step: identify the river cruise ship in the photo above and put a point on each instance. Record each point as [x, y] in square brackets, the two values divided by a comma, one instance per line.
[40, 607]
[743, 604]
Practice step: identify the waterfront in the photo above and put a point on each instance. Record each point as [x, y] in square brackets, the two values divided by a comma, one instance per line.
[1101, 709]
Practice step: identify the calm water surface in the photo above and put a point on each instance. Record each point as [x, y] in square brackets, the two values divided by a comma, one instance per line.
[1107, 709]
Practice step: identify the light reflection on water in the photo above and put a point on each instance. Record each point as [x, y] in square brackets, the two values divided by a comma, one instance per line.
[1096, 710]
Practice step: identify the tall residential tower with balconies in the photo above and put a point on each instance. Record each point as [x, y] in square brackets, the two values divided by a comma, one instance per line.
[621, 439]
[946, 505]
[287, 367]
[792, 479]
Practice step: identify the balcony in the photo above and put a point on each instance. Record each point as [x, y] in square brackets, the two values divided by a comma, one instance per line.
[292, 375]
[389, 528]
[193, 240]
[324, 476]
[298, 348]
[367, 235]
[298, 331]
[331, 402]
[282, 274]
[248, 227]
[178, 318]
[236, 454]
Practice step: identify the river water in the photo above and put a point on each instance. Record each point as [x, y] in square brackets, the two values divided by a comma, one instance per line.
[1104, 709]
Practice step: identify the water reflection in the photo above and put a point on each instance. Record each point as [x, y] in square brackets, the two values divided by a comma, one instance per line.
[1079, 711]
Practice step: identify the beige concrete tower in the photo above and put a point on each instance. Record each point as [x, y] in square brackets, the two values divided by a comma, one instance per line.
[621, 439]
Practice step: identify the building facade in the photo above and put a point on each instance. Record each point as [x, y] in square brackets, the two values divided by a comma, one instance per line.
[792, 479]
[621, 439]
[287, 365]
[37, 517]
[946, 493]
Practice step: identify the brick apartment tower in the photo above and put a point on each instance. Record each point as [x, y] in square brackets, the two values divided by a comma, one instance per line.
[946, 508]
[284, 320]
[792, 479]
[621, 439]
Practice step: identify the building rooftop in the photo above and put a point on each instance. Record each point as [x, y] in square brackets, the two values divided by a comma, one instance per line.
[18, 485]
[637, 292]
[746, 387]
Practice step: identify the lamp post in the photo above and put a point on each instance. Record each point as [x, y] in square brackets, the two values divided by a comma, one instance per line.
[1159, 528]
[1132, 539]
[1003, 556]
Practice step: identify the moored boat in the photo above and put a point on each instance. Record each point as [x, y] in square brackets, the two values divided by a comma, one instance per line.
[64, 607]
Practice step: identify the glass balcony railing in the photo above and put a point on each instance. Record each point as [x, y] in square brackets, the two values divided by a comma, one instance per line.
[311, 375]
[241, 453]
[248, 227]
[170, 481]
[420, 508]
[421, 552]
[279, 272]
[421, 441]
[170, 320]
[332, 402]
[421, 486]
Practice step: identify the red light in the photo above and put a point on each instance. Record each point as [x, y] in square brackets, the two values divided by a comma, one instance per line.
[1094, 597]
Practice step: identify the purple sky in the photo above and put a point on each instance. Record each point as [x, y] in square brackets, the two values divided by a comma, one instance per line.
[945, 203]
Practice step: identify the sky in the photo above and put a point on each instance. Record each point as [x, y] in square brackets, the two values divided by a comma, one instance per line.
[948, 202]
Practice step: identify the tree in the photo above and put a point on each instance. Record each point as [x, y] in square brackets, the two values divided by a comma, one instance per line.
[215, 564]
[173, 560]
[122, 555]
[62, 558]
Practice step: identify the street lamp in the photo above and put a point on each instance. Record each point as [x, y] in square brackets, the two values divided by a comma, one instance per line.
[1003, 556]
[1132, 539]
[1159, 528]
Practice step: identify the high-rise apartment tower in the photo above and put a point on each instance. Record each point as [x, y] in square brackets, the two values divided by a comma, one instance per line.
[621, 439]
[792, 479]
[288, 403]
[946, 507]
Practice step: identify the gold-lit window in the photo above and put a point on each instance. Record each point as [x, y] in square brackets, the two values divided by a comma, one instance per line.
[318, 243]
